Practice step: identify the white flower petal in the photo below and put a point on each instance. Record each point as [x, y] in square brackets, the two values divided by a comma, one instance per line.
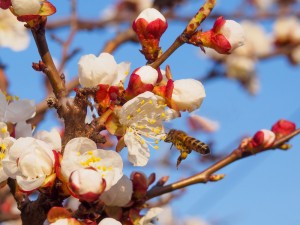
[28, 184]
[109, 221]
[10, 168]
[147, 74]
[150, 15]
[3, 106]
[138, 153]
[234, 33]
[80, 144]
[19, 111]
[3, 175]
[150, 215]
[80, 182]
[26, 7]
[52, 138]
[94, 70]
[23, 129]
[119, 194]
[188, 94]
[123, 69]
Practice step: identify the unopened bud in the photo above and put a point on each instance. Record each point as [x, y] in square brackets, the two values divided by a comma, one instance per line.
[216, 177]
[263, 138]
[83, 188]
[224, 37]
[283, 128]
[141, 80]
[149, 27]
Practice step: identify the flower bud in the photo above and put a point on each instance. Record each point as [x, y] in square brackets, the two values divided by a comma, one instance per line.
[119, 194]
[26, 7]
[224, 37]
[83, 188]
[66, 221]
[141, 80]
[103, 69]
[140, 185]
[283, 128]
[285, 29]
[4, 4]
[109, 221]
[149, 27]
[263, 138]
[188, 94]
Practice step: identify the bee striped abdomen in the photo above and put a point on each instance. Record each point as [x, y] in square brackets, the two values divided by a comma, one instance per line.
[199, 146]
[185, 144]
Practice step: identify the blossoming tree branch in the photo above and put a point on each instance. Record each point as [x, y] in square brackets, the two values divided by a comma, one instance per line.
[131, 106]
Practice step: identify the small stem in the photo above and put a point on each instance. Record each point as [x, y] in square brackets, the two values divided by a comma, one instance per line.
[194, 23]
[51, 71]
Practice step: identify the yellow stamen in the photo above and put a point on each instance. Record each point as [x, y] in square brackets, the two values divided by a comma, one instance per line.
[138, 110]
[4, 129]
[155, 147]
[142, 102]
[128, 117]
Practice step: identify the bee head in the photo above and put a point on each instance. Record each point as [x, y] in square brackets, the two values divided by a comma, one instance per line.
[170, 134]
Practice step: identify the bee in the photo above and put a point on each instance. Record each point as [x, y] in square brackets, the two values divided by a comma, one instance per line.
[185, 144]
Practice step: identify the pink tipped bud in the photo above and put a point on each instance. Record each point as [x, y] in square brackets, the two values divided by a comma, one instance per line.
[141, 80]
[224, 37]
[150, 24]
[82, 187]
[149, 27]
[263, 138]
[283, 128]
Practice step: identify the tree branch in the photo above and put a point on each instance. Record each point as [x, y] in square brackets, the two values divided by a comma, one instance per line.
[203, 177]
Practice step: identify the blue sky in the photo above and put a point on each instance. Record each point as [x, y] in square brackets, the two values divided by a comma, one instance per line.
[260, 190]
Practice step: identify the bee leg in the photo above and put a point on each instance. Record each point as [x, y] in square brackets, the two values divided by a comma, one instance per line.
[183, 155]
[171, 146]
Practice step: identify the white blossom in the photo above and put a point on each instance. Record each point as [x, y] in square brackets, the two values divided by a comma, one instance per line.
[150, 216]
[13, 34]
[284, 28]
[52, 138]
[109, 221]
[239, 67]
[81, 185]
[5, 144]
[17, 111]
[263, 4]
[66, 221]
[26, 7]
[234, 33]
[147, 74]
[30, 162]
[142, 117]
[257, 43]
[103, 69]
[83, 153]
[188, 94]
[150, 15]
[119, 194]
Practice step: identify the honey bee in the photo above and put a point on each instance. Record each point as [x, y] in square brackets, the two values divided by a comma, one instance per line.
[185, 144]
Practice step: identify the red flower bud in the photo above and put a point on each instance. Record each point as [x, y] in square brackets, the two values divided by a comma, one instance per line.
[283, 128]
[149, 27]
[141, 80]
[263, 138]
[224, 37]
